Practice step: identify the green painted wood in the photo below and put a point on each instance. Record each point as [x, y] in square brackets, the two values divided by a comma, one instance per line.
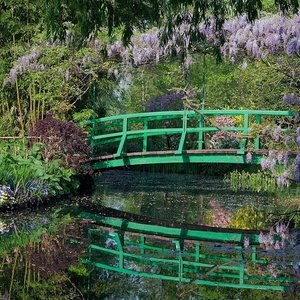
[257, 139]
[179, 267]
[119, 132]
[145, 140]
[201, 133]
[176, 233]
[123, 139]
[178, 114]
[244, 136]
[183, 134]
[167, 159]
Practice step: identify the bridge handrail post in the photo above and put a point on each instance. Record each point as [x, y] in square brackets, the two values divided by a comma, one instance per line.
[145, 138]
[124, 136]
[119, 243]
[257, 139]
[201, 133]
[184, 130]
[179, 248]
[244, 135]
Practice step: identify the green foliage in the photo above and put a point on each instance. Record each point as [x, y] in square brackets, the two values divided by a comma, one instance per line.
[79, 270]
[58, 286]
[83, 19]
[30, 177]
[57, 80]
[82, 116]
[256, 182]
[227, 85]
[248, 218]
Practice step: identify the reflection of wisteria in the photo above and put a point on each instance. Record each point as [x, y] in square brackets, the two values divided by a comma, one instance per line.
[220, 217]
[276, 239]
[249, 157]
[282, 250]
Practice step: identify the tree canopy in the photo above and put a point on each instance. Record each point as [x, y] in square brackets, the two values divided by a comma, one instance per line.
[85, 18]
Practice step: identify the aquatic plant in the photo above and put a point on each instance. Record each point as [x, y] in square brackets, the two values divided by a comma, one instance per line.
[256, 182]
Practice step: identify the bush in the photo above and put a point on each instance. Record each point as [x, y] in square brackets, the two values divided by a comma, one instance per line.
[25, 177]
[63, 140]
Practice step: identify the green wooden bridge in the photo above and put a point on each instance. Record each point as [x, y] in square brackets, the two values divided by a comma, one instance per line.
[189, 254]
[175, 137]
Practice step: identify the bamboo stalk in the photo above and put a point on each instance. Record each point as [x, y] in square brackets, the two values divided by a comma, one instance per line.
[20, 107]
[34, 105]
[30, 106]
[39, 104]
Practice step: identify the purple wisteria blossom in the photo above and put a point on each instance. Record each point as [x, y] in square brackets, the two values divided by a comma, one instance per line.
[25, 62]
[291, 99]
[163, 102]
[220, 216]
[265, 36]
[249, 157]
[283, 179]
[268, 164]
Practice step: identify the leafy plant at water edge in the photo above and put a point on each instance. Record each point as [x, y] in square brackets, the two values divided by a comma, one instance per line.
[27, 177]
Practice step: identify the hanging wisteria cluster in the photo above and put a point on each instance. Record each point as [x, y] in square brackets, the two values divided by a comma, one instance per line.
[265, 36]
[28, 62]
[148, 47]
[32, 62]
[269, 35]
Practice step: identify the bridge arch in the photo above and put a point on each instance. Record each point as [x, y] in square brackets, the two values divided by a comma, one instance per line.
[125, 140]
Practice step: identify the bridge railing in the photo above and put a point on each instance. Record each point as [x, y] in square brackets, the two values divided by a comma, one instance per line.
[119, 130]
[205, 256]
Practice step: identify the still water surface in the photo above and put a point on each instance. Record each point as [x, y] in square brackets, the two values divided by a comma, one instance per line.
[173, 197]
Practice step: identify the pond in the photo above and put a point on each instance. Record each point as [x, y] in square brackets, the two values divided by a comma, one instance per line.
[48, 268]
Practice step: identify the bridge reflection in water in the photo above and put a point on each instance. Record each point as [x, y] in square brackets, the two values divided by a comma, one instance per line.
[190, 254]
[176, 137]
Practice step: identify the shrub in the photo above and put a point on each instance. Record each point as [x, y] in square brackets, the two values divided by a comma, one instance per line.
[63, 140]
[25, 177]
